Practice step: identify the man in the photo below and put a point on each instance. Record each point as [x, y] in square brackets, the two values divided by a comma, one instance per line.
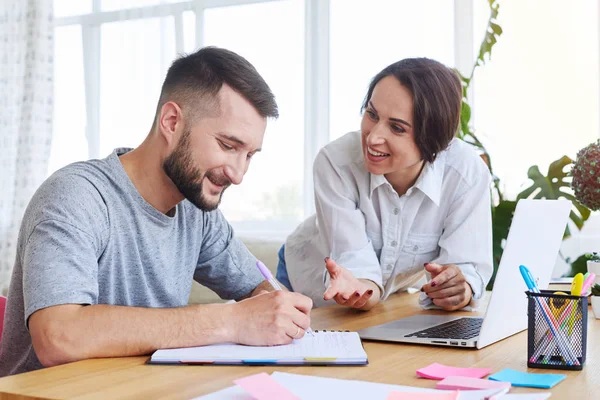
[108, 248]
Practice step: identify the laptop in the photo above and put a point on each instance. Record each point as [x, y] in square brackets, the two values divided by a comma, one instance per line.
[533, 240]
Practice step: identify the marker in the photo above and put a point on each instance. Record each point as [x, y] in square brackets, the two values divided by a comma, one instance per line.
[587, 283]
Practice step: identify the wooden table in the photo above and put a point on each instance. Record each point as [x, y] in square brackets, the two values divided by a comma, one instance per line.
[130, 378]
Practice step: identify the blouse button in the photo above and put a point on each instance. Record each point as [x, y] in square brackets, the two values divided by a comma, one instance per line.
[396, 211]
[394, 243]
[415, 247]
[389, 266]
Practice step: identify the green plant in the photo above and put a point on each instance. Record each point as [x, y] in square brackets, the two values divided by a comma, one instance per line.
[592, 256]
[580, 264]
[554, 185]
[596, 290]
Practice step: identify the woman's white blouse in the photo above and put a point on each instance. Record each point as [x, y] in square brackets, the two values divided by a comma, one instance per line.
[364, 225]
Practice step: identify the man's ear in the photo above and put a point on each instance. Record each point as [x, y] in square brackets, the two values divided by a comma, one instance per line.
[169, 120]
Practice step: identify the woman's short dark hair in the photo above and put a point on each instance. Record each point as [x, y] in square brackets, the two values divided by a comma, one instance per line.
[437, 98]
[193, 82]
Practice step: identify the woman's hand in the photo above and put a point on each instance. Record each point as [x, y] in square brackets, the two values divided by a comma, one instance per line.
[348, 291]
[448, 287]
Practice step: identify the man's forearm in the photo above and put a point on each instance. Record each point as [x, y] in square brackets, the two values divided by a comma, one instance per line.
[115, 331]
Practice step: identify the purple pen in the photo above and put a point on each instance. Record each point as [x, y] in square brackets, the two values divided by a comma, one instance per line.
[269, 277]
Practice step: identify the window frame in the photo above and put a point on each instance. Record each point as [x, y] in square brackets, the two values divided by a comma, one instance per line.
[316, 74]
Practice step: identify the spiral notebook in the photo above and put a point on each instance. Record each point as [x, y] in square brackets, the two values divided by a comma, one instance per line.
[322, 348]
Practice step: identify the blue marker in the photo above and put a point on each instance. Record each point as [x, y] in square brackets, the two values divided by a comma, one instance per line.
[528, 278]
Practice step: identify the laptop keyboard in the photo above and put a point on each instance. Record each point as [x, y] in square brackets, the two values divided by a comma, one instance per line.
[462, 328]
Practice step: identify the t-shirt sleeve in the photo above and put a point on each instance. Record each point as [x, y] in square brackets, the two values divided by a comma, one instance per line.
[66, 225]
[225, 265]
[59, 267]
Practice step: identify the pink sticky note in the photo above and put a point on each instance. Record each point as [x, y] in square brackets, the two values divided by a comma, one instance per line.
[439, 372]
[263, 387]
[464, 383]
[423, 396]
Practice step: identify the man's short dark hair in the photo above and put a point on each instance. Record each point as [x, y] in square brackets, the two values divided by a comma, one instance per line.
[193, 82]
[437, 99]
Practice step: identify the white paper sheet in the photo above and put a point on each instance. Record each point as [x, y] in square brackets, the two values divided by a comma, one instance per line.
[316, 388]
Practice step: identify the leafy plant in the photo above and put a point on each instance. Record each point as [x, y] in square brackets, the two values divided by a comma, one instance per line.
[592, 256]
[580, 264]
[596, 290]
[553, 185]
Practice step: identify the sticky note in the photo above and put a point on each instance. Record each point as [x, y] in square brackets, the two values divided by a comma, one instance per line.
[423, 395]
[263, 387]
[518, 378]
[439, 372]
[464, 383]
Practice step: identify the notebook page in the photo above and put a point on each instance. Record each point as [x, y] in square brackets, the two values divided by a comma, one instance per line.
[345, 345]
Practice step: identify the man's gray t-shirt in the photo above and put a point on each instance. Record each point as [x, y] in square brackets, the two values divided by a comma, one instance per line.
[88, 237]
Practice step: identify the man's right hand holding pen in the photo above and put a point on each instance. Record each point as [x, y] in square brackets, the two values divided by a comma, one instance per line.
[270, 319]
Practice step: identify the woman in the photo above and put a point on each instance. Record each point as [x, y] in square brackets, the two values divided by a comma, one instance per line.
[398, 200]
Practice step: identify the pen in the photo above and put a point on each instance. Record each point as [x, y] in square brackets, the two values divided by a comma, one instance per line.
[269, 277]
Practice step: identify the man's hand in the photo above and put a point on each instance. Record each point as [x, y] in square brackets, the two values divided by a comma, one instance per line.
[272, 318]
[448, 287]
[348, 291]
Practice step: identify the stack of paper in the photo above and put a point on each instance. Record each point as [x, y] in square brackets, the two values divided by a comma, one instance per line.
[284, 386]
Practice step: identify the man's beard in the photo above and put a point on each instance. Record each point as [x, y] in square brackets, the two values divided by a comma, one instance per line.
[188, 179]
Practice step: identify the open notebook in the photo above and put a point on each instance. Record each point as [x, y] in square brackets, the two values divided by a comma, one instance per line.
[325, 347]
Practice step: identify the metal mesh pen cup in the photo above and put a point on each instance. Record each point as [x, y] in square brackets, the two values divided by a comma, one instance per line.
[557, 330]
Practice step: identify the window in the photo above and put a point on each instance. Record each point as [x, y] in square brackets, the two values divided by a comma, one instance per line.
[538, 98]
[69, 143]
[67, 8]
[368, 36]
[272, 188]
[112, 55]
[134, 59]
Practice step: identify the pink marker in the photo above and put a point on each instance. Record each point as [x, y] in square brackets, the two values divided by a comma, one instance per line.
[587, 284]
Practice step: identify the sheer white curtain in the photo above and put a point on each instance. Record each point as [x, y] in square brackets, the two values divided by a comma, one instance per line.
[26, 75]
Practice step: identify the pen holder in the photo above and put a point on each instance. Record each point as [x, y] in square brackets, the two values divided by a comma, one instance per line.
[557, 330]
